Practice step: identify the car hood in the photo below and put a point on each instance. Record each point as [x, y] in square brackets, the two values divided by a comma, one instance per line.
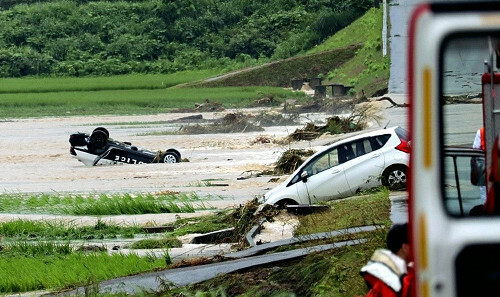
[269, 195]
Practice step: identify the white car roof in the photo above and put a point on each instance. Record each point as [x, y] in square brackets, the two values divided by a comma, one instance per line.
[349, 138]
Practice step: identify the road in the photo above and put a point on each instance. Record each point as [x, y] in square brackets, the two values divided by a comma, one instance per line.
[461, 121]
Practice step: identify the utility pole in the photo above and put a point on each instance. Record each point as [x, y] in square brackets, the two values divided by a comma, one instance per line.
[384, 29]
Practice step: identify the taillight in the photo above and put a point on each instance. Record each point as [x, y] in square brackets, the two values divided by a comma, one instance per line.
[403, 146]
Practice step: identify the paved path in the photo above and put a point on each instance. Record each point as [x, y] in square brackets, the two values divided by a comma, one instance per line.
[160, 280]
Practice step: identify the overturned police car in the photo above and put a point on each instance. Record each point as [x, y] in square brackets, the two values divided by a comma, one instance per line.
[98, 149]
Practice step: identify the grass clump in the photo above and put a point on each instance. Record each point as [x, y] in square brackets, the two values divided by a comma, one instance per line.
[102, 204]
[35, 230]
[28, 273]
[242, 218]
[291, 160]
[26, 249]
[205, 224]
[370, 209]
[126, 204]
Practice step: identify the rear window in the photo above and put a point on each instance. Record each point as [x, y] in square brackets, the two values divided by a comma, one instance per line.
[402, 134]
[379, 141]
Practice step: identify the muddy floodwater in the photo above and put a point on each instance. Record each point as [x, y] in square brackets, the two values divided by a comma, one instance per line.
[220, 169]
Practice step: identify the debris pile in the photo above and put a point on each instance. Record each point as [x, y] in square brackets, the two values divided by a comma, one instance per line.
[291, 160]
[261, 139]
[334, 125]
[246, 216]
[230, 123]
[268, 119]
[209, 106]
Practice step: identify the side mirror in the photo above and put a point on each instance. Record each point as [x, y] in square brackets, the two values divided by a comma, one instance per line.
[304, 175]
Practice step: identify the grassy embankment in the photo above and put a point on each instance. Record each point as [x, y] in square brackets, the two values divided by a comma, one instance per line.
[368, 70]
[333, 273]
[281, 73]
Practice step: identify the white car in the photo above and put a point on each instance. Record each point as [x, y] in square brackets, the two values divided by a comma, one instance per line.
[361, 162]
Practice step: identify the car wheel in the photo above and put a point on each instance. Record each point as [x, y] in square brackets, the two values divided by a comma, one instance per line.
[102, 129]
[170, 157]
[395, 177]
[282, 204]
[98, 139]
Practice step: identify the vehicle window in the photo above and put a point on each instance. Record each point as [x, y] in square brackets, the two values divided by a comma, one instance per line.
[462, 70]
[346, 152]
[360, 149]
[379, 141]
[322, 163]
[368, 146]
[463, 183]
[362, 146]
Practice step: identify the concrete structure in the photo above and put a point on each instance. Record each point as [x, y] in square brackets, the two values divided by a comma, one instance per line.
[399, 16]
[461, 55]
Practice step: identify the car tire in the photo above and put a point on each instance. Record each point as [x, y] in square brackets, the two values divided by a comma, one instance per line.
[170, 157]
[395, 177]
[101, 129]
[282, 204]
[98, 139]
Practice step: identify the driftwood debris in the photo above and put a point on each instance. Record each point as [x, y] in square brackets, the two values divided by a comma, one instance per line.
[392, 102]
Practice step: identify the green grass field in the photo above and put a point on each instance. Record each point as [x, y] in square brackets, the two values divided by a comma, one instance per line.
[118, 82]
[132, 101]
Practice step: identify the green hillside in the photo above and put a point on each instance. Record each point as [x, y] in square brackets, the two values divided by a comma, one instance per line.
[45, 61]
[279, 74]
[352, 56]
[84, 37]
[368, 70]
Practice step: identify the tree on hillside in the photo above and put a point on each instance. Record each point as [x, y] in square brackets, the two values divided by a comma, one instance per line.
[84, 37]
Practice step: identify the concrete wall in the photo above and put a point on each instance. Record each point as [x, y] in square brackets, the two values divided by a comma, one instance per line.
[464, 63]
[399, 15]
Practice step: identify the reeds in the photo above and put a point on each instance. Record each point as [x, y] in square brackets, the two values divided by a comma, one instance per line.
[102, 204]
[48, 230]
[27, 273]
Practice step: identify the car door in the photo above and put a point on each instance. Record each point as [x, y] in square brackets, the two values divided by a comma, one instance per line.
[363, 164]
[325, 178]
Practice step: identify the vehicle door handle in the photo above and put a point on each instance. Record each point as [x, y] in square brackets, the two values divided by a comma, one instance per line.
[336, 171]
[375, 155]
